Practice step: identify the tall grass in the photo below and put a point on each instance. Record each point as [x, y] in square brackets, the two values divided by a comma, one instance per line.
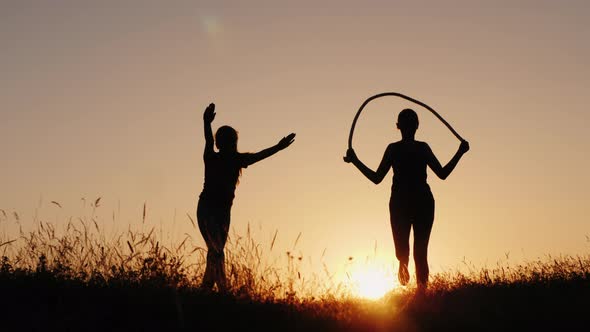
[81, 250]
[540, 293]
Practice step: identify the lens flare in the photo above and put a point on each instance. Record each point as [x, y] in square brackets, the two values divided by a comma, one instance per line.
[211, 24]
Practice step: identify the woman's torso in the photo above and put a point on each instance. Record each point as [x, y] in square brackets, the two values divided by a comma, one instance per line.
[222, 172]
[409, 162]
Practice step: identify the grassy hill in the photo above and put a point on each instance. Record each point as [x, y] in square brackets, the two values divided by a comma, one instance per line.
[81, 281]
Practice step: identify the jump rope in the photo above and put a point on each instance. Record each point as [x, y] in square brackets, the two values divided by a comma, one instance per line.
[397, 94]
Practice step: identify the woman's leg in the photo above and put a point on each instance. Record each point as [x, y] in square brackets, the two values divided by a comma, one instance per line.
[422, 228]
[220, 241]
[204, 220]
[400, 227]
[214, 227]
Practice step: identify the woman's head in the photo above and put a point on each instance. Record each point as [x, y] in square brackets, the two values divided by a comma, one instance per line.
[407, 121]
[226, 139]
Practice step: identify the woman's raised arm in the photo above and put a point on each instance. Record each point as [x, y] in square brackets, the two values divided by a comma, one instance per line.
[208, 117]
[444, 172]
[263, 154]
[375, 176]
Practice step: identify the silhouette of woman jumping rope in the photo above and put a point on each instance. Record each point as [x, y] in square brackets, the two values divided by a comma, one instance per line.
[411, 203]
[222, 172]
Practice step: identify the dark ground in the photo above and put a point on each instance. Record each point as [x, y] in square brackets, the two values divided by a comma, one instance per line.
[43, 302]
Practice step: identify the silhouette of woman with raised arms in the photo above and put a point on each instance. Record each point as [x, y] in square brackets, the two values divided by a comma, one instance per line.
[222, 172]
[411, 203]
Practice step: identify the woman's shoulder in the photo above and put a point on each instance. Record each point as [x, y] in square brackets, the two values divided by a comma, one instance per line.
[210, 154]
[423, 145]
[394, 145]
[244, 159]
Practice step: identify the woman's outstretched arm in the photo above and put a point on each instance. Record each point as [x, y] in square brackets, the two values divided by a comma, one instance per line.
[444, 172]
[208, 117]
[375, 177]
[281, 145]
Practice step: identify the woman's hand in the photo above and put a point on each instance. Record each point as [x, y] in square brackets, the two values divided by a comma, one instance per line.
[286, 141]
[209, 114]
[464, 147]
[350, 156]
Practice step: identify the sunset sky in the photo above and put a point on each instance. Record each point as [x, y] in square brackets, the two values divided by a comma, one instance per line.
[105, 99]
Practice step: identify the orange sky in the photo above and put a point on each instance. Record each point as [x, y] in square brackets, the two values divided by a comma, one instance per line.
[106, 99]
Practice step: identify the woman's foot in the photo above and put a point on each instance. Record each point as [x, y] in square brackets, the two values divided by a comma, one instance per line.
[422, 287]
[403, 275]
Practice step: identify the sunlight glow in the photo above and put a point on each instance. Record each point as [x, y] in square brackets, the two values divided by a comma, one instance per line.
[372, 284]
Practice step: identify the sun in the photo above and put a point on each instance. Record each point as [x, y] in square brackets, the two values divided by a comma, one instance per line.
[372, 283]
